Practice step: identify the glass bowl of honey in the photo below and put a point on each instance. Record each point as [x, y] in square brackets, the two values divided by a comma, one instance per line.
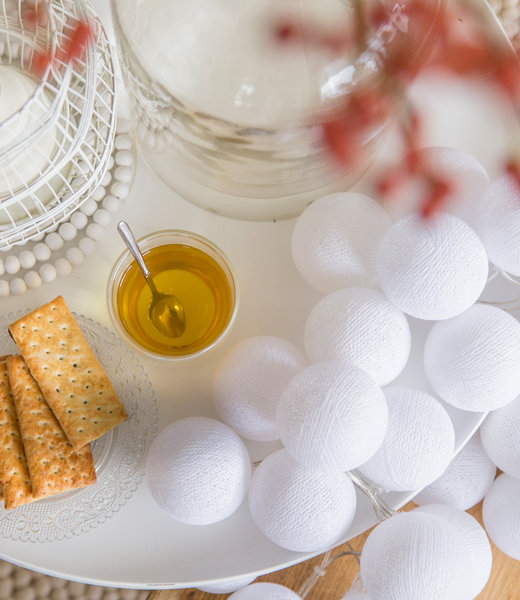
[191, 268]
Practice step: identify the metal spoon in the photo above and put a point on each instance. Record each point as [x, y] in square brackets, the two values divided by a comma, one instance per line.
[165, 312]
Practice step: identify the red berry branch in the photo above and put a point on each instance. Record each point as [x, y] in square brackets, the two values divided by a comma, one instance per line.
[453, 37]
[35, 13]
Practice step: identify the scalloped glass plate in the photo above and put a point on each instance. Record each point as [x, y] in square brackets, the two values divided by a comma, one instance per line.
[119, 455]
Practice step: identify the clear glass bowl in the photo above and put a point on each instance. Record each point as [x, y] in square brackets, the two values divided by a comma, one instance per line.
[119, 455]
[228, 116]
[188, 266]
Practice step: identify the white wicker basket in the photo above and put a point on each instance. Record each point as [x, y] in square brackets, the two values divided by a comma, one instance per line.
[73, 106]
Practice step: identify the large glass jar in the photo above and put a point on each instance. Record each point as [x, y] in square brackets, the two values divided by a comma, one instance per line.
[229, 116]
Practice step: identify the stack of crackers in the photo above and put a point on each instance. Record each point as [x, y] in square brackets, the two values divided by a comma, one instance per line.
[55, 398]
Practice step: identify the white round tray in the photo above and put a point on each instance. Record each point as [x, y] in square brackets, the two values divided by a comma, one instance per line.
[141, 546]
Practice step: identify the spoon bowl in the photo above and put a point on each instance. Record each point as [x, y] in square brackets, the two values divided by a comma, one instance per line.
[166, 311]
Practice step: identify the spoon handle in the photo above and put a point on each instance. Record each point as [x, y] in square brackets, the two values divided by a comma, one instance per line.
[126, 233]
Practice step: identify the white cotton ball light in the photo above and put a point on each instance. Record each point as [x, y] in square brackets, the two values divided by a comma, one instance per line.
[332, 416]
[298, 508]
[418, 445]
[265, 591]
[361, 327]
[500, 435]
[475, 541]
[498, 223]
[198, 470]
[466, 480]
[432, 268]
[467, 177]
[473, 360]
[227, 586]
[249, 381]
[415, 556]
[335, 239]
[501, 514]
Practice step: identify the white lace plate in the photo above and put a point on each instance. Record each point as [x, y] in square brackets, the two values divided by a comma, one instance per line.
[119, 455]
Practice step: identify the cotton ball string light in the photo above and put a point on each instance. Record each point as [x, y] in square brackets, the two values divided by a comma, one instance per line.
[473, 360]
[468, 181]
[432, 269]
[498, 223]
[475, 541]
[500, 434]
[198, 470]
[466, 480]
[228, 586]
[415, 556]
[501, 514]
[332, 416]
[361, 327]
[418, 445]
[335, 239]
[265, 591]
[249, 381]
[298, 508]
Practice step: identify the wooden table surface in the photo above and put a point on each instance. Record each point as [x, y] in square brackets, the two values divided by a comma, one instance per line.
[504, 583]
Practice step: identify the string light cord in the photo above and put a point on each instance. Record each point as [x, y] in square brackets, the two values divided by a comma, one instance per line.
[381, 508]
[320, 570]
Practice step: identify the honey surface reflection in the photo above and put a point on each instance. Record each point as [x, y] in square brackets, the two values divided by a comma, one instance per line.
[196, 279]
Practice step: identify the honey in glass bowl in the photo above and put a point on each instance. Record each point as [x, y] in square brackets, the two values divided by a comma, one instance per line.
[192, 269]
